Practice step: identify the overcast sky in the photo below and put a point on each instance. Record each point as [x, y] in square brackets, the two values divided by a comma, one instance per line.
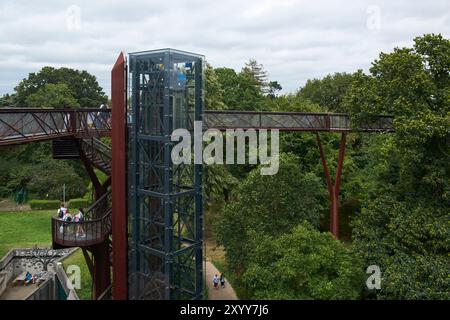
[295, 40]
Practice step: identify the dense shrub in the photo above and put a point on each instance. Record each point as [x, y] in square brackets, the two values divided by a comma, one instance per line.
[78, 203]
[49, 178]
[44, 204]
[302, 264]
[269, 205]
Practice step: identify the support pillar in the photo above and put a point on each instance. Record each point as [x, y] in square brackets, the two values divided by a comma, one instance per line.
[99, 265]
[119, 183]
[101, 268]
[333, 188]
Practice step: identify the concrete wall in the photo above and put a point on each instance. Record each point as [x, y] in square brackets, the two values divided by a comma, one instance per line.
[21, 260]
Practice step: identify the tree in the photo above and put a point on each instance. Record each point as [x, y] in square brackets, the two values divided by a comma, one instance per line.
[403, 226]
[268, 205]
[273, 88]
[7, 100]
[214, 96]
[328, 92]
[243, 90]
[255, 72]
[52, 96]
[83, 85]
[302, 264]
[49, 178]
[229, 81]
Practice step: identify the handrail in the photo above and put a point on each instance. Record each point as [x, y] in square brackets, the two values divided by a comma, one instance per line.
[97, 149]
[19, 125]
[92, 230]
[292, 121]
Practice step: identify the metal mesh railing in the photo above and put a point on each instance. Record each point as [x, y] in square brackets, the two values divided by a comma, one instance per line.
[291, 121]
[22, 125]
[93, 230]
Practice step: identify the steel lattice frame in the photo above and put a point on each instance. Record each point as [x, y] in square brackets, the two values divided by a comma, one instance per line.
[165, 200]
[26, 125]
[293, 121]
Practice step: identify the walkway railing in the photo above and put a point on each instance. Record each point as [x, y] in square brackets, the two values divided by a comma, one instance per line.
[98, 153]
[25, 125]
[291, 121]
[93, 230]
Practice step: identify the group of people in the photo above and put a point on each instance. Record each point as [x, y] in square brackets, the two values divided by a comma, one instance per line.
[36, 278]
[64, 215]
[218, 279]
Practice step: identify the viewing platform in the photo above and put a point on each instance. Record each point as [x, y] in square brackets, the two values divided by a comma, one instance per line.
[93, 230]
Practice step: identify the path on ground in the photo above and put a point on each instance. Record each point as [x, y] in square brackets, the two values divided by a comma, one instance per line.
[226, 293]
[18, 292]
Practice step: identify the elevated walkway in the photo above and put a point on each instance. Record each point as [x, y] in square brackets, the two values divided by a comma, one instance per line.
[293, 121]
[18, 125]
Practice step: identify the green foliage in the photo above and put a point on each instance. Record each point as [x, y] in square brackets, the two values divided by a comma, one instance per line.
[293, 103]
[44, 204]
[328, 92]
[302, 264]
[272, 88]
[7, 100]
[77, 259]
[269, 205]
[244, 90]
[255, 73]
[229, 81]
[25, 229]
[83, 85]
[49, 177]
[218, 183]
[214, 91]
[403, 226]
[75, 204]
[52, 96]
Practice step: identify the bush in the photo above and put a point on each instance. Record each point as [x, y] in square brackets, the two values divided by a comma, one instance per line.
[269, 205]
[44, 204]
[78, 203]
[49, 178]
[302, 264]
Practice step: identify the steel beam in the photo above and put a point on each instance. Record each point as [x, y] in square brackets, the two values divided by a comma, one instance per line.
[119, 188]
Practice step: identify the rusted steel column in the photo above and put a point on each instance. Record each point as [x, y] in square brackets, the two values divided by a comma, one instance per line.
[333, 188]
[102, 273]
[119, 188]
[337, 185]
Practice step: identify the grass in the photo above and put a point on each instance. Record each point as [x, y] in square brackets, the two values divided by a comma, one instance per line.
[77, 258]
[25, 230]
[33, 228]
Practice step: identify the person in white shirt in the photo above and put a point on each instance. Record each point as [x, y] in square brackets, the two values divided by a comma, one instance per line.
[216, 281]
[61, 211]
[79, 218]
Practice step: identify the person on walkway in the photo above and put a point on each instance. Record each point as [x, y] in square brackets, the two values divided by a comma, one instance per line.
[79, 218]
[28, 278]
[66, 218]
[61, 211]
[216, 281]
[222, 280]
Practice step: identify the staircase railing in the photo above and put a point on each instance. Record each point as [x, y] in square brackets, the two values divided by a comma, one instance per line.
[95, 149]
[93, 230]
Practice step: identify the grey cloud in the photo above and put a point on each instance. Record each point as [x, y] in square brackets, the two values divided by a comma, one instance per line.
[294, 39]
